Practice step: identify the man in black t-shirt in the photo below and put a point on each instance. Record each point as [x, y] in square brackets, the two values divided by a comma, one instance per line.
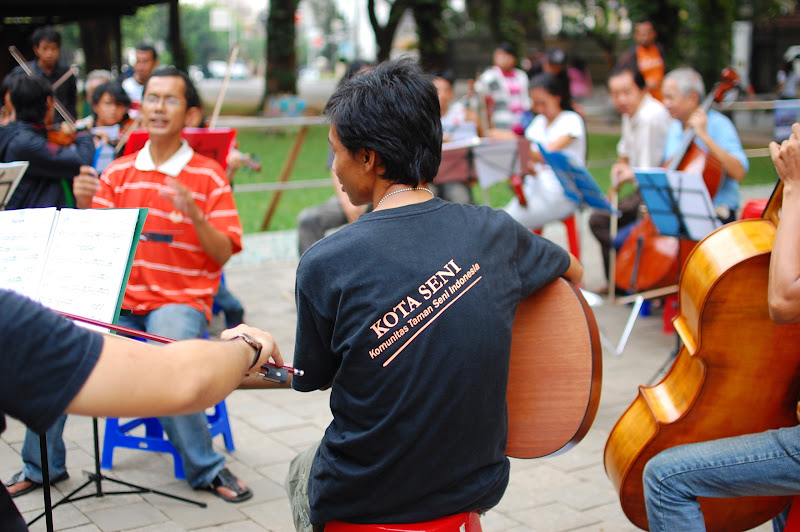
[47, 48]
[49, 366]
[407, 314]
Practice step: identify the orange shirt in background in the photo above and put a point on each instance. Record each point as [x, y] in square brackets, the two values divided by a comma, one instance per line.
[651, 65]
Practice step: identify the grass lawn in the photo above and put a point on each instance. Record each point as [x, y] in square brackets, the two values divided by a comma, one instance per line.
[273, 147]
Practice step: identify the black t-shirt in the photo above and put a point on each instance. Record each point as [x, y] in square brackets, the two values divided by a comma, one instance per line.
[44, 362]
[413, 308]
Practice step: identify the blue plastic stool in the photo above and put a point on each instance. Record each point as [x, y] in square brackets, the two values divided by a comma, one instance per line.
[117, 435]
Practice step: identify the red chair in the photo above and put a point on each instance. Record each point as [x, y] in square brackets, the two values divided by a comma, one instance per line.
[754, 208]
[465, 522]
[572, 235]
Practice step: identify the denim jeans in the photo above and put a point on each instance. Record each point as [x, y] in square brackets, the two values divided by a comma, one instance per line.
[767, 463]
[230, 306]
[56, 452]
[189, 434]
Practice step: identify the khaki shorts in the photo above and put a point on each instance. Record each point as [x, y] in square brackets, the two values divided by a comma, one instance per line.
[297, 489]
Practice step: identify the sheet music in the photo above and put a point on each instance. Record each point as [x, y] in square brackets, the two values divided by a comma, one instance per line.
[87, 260]
[24, 236]
[10, 176]
[496, 161]
[695, 203]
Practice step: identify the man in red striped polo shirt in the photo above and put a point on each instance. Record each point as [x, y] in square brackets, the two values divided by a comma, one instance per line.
[192, 229]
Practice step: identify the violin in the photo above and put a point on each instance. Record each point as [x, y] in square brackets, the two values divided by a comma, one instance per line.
[736, 372]
[59, 137]
[648, 260]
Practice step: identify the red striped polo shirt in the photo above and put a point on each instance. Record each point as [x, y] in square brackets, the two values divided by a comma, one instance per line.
[179, 271]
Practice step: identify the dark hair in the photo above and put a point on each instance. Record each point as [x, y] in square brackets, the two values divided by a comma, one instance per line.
[114, 88]
[554, 85]
[556, 56]
[5, 86]
[356, 66]
[191, 95]
[392, 109]
[507, 47]
[29, 97]
[446, 75]
[47, 34]
[141, 47]
[638, 78]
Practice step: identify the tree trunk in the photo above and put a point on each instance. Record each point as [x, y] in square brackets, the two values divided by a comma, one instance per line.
[175, 42]
[97, 41]
[281, 74]
[384, 35]
[431, 33]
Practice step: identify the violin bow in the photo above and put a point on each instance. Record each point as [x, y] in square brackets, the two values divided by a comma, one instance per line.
[127, 135]
[73, 71]
[60, 108]
[149, 336]
[224, 87]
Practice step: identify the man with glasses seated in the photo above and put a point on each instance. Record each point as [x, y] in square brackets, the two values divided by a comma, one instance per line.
[193, 228]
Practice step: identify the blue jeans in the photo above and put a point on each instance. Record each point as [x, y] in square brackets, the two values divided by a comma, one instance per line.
[56, 452]
[189, 434]
[767, 463]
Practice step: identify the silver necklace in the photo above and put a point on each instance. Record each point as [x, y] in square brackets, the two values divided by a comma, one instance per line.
[403, 190]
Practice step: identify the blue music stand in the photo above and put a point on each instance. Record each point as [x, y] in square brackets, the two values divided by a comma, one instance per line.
[578, 183]
[678, 202]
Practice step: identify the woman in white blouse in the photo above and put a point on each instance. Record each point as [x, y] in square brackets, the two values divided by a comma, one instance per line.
[557, 127]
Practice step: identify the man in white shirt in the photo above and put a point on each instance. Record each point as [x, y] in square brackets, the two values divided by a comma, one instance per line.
[146, 61]
[645, 122]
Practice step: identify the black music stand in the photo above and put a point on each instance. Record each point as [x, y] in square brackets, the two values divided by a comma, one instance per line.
[678, 202]
[680, 206]
[96, 477]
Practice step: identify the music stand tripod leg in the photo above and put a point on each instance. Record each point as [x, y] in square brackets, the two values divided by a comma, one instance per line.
[637, 306]
[96, 477]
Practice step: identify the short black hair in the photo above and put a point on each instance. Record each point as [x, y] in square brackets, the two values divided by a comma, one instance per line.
[392, 109]
[191, 95]
[5, 86]
[29, 97]
[47, 34]
[142, 47]
[114, 88]
[638, 78]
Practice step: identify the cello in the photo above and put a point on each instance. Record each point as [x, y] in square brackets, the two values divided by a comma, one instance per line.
[649, 260]
[730, 346]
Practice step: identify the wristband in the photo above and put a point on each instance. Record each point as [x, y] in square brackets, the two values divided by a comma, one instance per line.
[252, 342]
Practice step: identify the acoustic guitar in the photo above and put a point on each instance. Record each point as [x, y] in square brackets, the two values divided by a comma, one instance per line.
[553, 394]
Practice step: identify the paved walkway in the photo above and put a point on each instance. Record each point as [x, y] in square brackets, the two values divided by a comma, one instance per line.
[566, 492]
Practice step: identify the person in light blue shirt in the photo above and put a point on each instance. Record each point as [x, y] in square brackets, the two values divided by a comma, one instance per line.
[683, 92]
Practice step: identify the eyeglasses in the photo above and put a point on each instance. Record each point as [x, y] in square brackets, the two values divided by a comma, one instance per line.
[169, 101]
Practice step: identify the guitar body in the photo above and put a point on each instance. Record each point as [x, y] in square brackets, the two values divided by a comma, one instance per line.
[553, 394]
[736, 373]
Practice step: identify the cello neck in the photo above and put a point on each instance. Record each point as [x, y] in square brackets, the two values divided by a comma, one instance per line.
[689, 135]
[772, 211]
